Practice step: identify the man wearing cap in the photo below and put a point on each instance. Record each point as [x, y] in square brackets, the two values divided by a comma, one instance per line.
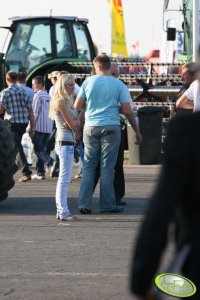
[53, 76]
[53, 166]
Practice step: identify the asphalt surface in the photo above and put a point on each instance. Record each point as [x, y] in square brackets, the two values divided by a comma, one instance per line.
[42, 258]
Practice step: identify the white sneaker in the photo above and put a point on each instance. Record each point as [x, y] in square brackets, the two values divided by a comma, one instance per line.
[69, 218]
[54, 172]
[77, 176]
[48, 170]
[39, 177]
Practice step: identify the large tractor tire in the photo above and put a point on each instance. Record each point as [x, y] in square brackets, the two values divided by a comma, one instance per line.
[7, 160]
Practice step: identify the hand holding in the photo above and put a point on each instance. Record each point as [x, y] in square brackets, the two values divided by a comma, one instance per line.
[31, 131]
[138, 138]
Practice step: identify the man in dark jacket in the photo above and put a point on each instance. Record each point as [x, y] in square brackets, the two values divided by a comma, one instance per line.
[175, 200]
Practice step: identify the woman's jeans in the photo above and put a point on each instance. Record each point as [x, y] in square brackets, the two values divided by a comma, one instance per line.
[66, 157]
[101, 143]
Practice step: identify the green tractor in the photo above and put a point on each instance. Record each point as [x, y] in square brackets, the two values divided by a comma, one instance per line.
[38, 46]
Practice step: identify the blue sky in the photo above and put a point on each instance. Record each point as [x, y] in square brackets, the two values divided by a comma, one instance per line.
[143, 19]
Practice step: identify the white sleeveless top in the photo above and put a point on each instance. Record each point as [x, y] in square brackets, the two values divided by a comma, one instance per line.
[63, 133]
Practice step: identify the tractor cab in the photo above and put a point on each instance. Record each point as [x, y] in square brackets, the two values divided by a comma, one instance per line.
[40, 45]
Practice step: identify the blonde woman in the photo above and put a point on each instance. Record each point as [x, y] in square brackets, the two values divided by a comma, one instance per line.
[66, 121]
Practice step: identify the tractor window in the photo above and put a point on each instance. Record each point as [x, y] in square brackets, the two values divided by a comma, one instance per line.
[39, 43]
[30, 45]
[81, 41]
[63, 42]
[16, 52]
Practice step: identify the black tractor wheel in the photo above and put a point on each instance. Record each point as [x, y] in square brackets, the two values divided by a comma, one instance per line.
[7, 160]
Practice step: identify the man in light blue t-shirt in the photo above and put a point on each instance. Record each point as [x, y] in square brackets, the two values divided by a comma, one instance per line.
[103, 97]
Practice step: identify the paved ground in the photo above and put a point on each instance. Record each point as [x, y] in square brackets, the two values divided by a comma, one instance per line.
[42, 258]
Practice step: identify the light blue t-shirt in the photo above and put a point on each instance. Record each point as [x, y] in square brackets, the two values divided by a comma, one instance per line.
[103, 95]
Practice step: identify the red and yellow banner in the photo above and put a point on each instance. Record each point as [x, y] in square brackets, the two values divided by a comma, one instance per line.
[118, 31]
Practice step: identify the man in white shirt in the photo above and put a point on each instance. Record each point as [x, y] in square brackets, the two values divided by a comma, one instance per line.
[53, 76]
[43, 125]
[191, 97]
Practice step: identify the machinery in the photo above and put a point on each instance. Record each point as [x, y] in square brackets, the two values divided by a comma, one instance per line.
[40, 45]
[7, 160]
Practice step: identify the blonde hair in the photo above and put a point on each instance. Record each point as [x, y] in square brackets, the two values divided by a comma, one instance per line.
[61, 93]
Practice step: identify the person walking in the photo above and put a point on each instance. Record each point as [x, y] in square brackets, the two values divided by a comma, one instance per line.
[53, 76]
[66, 121]
[17, 109]
[43, 125]
[103, 97]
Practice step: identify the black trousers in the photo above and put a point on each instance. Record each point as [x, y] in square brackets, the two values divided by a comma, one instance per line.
[19, 129]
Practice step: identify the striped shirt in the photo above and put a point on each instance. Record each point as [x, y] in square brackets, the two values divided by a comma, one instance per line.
[41, 105]
[16, 102]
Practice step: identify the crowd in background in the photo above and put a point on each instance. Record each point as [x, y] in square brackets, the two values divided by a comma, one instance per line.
[36, 132]
[53, 126]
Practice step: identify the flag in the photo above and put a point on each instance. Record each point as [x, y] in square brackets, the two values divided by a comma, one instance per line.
[118, 31]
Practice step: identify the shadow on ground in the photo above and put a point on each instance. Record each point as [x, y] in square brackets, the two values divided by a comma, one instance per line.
[46, 206]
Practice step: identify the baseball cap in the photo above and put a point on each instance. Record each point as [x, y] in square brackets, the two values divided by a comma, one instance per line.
[53, 74]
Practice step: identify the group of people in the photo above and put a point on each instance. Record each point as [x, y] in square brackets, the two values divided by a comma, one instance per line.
[93, 117]
[27, 110]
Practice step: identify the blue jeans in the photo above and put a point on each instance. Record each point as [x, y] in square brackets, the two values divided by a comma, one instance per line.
[40, 140]
[101, 143]
[66, 157]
